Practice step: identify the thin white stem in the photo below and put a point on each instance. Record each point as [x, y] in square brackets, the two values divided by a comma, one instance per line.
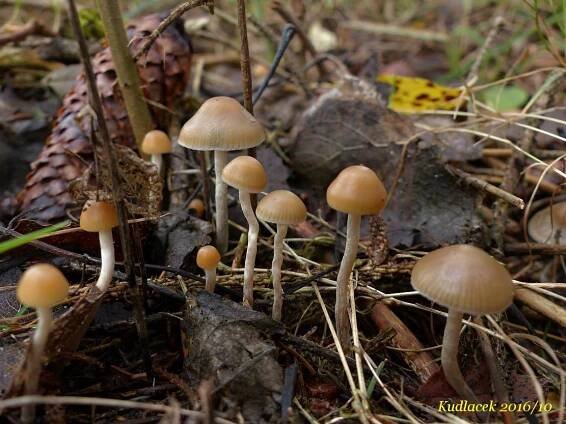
[220, 160]
[107, 260]
[276, 271]
[157, 160]
[253, 230]
[343, 281]
[33, 371]
[210, 279]
[449, 356]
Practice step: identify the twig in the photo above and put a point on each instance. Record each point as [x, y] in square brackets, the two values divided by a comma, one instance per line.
[173, 16]
[485, 186]
[286, 37]
[542, 305]
[379, 28]
[535, 249]
[413, 352]
[117, 191]
[18, 402]
[32, 27]
[126, 69]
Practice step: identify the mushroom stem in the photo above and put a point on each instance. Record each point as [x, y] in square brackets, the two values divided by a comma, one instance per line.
[449, 356]
[157, 159]
[210, 279]
[220, 160]
[343, 280]
[253, 230]
[107, 260]
[276, 271]
[38, 341]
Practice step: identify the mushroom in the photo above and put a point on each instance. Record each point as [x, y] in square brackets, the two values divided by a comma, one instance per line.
[156, 143]
[100, 217]
[283, 208]
[221, 125]
[207, 259]
[248, 176]
[41, 286]
[356, 191]
[549, 224]
[197, 205]
[465, 279]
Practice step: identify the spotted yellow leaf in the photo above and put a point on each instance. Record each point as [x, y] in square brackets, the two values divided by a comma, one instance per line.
[413, 94]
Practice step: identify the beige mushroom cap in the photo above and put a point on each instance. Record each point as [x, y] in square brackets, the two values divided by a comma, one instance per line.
[98, 216]
[208, 257]
[464, 278]
[356, 190]
[544, 224]
[42, 286]
[281, 207]
[156, 142]
[223, 124]
[245, 173]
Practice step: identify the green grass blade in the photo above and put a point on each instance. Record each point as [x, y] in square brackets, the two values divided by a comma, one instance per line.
[34, 235]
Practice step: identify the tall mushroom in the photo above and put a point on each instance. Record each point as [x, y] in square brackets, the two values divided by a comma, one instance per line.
[283, 208]
[156, 143]
[207, 259]
[356, 191]
[221, 125]
[465, 279]
[100, 217]
[41, 286]
[248, 176]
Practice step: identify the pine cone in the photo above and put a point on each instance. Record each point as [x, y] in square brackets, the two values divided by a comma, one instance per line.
[68, 152]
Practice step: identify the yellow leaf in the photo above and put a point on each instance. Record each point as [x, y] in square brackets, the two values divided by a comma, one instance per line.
[413, 94]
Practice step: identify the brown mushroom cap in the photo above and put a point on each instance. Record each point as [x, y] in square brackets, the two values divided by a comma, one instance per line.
[156, 142]
[98, 216]
[245, 173]
[42, 285]
[281, 207]
[208, 257]
[223, 124]
[544, 224]
[198, 206]
[464, 278]
[357, 190]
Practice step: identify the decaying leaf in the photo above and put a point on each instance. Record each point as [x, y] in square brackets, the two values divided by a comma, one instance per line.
[414, 94]
[349, 125]
[139, 180]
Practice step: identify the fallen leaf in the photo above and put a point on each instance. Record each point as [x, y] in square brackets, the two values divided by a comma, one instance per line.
[504, 99]
[414, 94]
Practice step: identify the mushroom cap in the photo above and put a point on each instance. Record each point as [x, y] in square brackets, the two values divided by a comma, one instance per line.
[544, 224]
[464, 278]
[98, 216]
[357, 190]
[197, 205]
[245, 173]
[42, 286]
[281, 207]
[223, 124]
[156, 142]
[207, 257]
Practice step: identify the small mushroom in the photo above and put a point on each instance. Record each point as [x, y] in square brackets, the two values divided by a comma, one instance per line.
[549, 224]
[221, 125]
[41, 286]
[197, 205]
[207, 259]
[248, 176]
[100, 217]
[156, 143]
[465, 279]
[356, 191]
[283, 208]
